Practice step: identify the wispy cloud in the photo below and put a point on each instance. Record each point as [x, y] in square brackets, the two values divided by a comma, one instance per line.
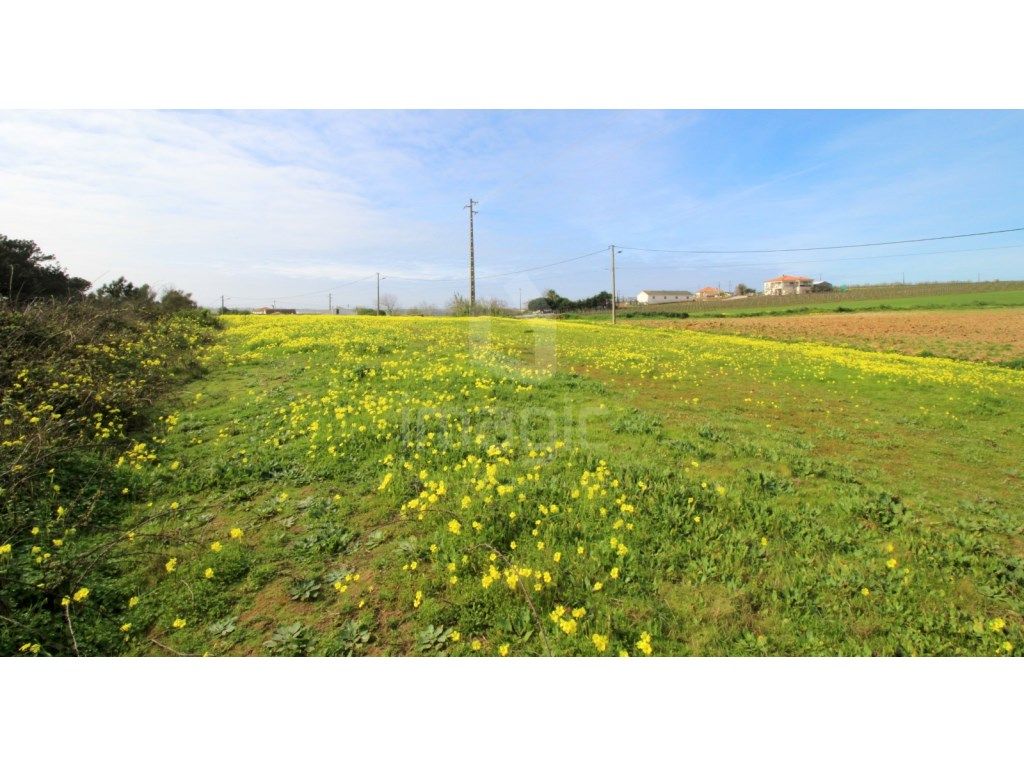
[279, 203]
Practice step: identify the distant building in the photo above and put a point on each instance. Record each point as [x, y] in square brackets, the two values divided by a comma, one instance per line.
[707, 292]
[272, 311]
[662, 297]
[784, 285]
[821, 286]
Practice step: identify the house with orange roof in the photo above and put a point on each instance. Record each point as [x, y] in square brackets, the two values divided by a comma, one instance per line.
[784, 285]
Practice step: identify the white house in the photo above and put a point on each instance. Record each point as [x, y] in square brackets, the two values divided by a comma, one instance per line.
[662, 297]
[784, 285]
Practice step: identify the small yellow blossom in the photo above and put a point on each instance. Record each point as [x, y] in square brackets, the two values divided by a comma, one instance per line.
[208, 573]
[81, 594]
[865, 591]
[171, 564]
[179, 623]
[600, 642]
[454, 526]
[891, 562]
[503, 649]
[133, 601]
[127, 627]
[236, 533]
[216, 546]
[644, 644]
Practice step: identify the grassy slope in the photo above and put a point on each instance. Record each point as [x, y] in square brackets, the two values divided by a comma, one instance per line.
[787, 305]
[942, 301]
[772, 483]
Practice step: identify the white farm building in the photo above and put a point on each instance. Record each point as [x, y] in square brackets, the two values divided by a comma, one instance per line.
[662, 297]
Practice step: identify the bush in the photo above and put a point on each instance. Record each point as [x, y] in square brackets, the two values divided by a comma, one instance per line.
[76, 379]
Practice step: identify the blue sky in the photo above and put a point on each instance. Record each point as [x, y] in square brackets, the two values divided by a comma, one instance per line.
[290, 205]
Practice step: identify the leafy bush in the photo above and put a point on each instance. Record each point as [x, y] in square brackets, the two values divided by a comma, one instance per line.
[77, 379]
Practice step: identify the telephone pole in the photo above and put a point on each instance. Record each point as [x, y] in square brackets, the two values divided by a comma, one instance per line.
[472, 256]
[221, 301]
[611, 248]
[330, 299]
[378, 293]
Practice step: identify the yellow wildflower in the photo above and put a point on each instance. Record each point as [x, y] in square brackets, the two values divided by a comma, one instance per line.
[644, 644]
[600, 642]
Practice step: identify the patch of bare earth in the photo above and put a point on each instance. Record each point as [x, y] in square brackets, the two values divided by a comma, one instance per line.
[984, 335]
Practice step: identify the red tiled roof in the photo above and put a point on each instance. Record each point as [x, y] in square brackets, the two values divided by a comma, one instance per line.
[789, 279]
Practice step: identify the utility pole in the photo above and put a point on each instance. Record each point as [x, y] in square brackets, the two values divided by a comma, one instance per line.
[472, 256]
[378, 293]
[330, 299]
[222, 303]
[611, 248]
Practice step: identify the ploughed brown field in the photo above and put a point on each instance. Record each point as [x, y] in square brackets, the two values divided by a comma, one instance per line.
[988, 335]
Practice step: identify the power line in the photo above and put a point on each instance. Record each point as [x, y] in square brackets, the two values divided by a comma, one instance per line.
[499, 274]
[830, 261]
[826, 247]
[545, 266]
[688, 266]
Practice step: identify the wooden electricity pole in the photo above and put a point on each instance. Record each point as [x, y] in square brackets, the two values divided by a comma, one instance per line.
[330, 299]
[378, 293]
[612, 249]
[472, 256]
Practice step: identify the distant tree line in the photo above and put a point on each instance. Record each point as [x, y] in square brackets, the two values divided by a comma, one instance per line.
[553, 302]
[28, 275]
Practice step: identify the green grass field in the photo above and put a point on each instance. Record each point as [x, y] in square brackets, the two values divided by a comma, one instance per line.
[939, 301]
[487, 486]
[860, 299]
